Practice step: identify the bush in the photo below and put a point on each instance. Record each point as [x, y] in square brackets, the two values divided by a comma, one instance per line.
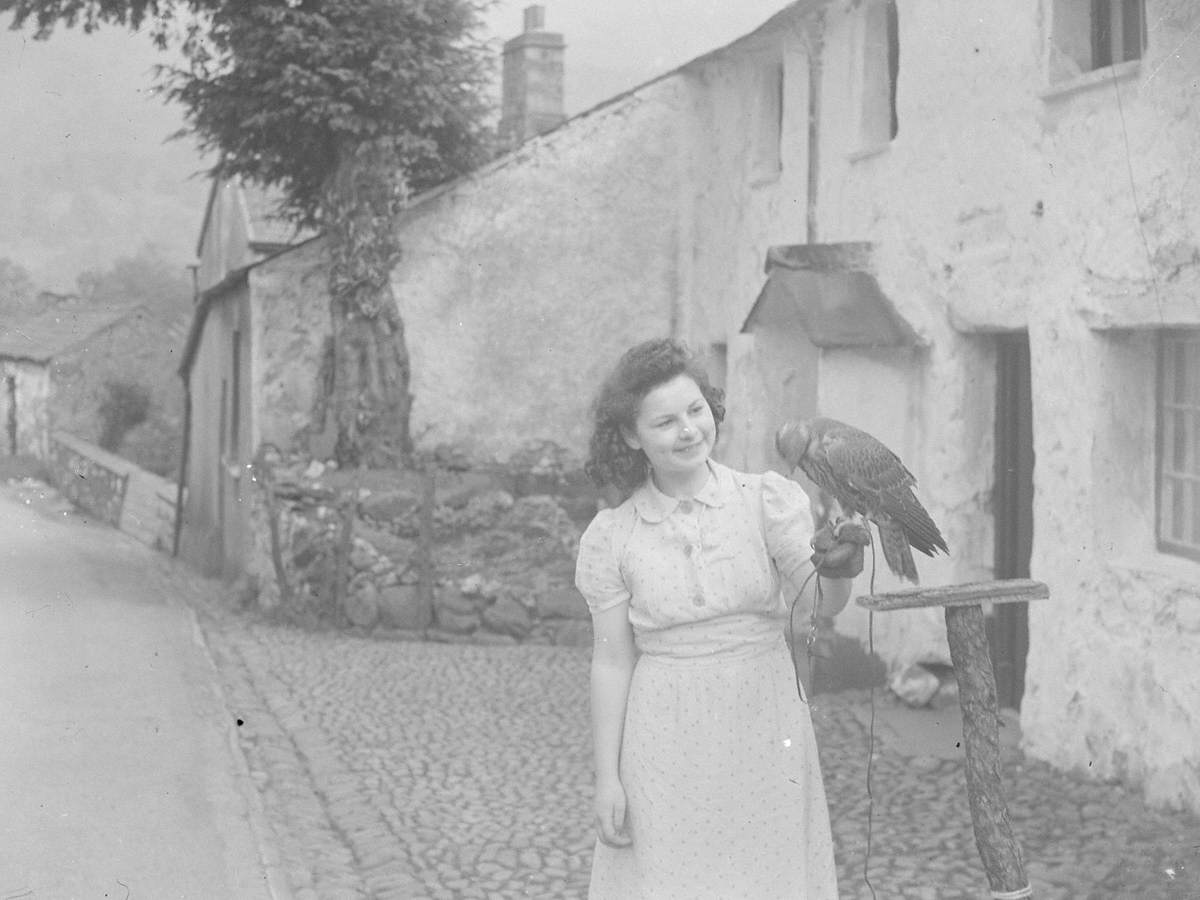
[125, 406]
[153, 445]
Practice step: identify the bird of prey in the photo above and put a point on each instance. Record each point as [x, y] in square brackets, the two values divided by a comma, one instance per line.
[868, 479]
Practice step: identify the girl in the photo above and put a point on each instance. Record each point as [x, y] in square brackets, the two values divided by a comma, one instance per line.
[707, 777]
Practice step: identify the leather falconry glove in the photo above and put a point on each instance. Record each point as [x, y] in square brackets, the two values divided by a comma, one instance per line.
[838, 548]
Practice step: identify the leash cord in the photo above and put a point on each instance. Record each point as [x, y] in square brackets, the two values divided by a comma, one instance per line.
[811, 640]
[871, 731]
[812, 630]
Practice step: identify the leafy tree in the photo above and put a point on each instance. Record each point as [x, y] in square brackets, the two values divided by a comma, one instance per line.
[148, 278]
[126, 405]
[346, 106]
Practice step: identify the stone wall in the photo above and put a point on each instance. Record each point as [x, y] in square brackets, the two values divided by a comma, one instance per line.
[113, 489]
[460, 551]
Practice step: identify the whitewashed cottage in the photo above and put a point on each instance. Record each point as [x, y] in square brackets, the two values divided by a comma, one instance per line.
[968, 227]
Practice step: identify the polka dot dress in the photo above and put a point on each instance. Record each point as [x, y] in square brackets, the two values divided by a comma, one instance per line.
[718, 759]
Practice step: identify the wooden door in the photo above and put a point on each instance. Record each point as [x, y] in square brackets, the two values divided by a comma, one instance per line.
[1008, 624]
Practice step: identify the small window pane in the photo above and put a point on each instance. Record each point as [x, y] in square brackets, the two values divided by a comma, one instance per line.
[1194, 536]
[1177, 512]
[1179, 462]
[1178, 364]
[1177, 459]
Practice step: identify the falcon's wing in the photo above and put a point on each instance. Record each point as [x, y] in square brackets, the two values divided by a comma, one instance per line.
[865, 468]
[880, 484]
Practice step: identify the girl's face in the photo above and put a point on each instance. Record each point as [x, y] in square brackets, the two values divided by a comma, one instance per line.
[674, 428]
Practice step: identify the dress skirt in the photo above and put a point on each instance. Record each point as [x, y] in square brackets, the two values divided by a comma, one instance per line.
[725, 798]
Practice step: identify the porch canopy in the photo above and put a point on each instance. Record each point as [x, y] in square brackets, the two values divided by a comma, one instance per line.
[830, 291]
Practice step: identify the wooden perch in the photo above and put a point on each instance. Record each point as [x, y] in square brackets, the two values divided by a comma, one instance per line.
[967, 636]
[1016, 590]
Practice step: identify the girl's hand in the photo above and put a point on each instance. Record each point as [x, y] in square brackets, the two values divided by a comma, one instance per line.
[610, 813]
[838, 548]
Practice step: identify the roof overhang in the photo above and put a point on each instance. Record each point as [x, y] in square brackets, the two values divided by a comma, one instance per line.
[204, 302]
[831, 292]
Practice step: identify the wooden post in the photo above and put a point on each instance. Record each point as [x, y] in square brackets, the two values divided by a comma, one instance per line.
[998, 848]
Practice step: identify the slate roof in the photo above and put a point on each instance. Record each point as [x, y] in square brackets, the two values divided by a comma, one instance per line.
[266, 227]
[45, 335]
[267, 232]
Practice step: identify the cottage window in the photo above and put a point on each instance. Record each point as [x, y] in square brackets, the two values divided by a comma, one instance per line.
[879, 122]
[1118, 28]
[768, 125]
[1179, 443]
[1094, 34]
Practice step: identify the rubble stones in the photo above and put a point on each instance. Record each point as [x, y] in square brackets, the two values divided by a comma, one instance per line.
[461, 602]
[387, 505]
[401, 606]
[565, 603]
[507, 616]
[456, 622]
[538, 516]
[503, 560]
[362, 606]
[915, 685]
[456, 489]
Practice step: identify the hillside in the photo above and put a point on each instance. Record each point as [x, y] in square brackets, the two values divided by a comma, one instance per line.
[86, 174]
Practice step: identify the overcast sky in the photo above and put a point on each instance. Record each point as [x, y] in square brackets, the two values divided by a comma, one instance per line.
[82, 136]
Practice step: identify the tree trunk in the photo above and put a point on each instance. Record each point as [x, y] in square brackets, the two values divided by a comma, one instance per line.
[368, 392]
[370, 399]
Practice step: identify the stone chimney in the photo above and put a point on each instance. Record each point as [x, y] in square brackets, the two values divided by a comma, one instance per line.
[532, 101]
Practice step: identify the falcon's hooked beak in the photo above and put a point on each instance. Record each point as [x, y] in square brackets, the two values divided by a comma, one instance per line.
[791, 442]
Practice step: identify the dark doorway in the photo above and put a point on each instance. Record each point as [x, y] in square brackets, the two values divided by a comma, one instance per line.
[10, 415]
[1012, 502]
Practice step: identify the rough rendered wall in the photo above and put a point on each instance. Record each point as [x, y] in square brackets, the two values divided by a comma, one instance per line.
[1006, 202]
[1117, 678]
[290, 314]
[733, 210]
[520, 286]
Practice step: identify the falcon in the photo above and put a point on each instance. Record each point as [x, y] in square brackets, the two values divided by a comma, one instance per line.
[866, 479]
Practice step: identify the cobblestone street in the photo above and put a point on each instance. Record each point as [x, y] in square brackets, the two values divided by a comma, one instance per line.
[408, 770]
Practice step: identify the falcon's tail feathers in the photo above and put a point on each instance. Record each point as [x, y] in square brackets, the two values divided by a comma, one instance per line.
[899, 557]
[920, 528]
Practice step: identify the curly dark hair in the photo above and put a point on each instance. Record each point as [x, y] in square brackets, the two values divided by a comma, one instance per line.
[642, 368]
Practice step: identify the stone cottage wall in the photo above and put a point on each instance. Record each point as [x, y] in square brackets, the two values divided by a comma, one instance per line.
[489, 560]
[32, 389]
[520, 285]
[142, 349]
[1014, 199]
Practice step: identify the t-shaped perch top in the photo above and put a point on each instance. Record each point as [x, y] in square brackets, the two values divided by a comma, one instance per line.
[1013, 590]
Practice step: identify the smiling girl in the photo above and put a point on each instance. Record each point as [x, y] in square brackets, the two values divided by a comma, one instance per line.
[707, 777]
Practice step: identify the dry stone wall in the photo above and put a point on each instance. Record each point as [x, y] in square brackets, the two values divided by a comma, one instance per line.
[454, 551]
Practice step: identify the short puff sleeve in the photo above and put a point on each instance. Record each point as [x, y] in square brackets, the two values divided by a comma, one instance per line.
[598, 567]
[788, 526]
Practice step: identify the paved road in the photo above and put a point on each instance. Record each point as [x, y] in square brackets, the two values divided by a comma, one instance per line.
[118, 769]
[402, 771]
